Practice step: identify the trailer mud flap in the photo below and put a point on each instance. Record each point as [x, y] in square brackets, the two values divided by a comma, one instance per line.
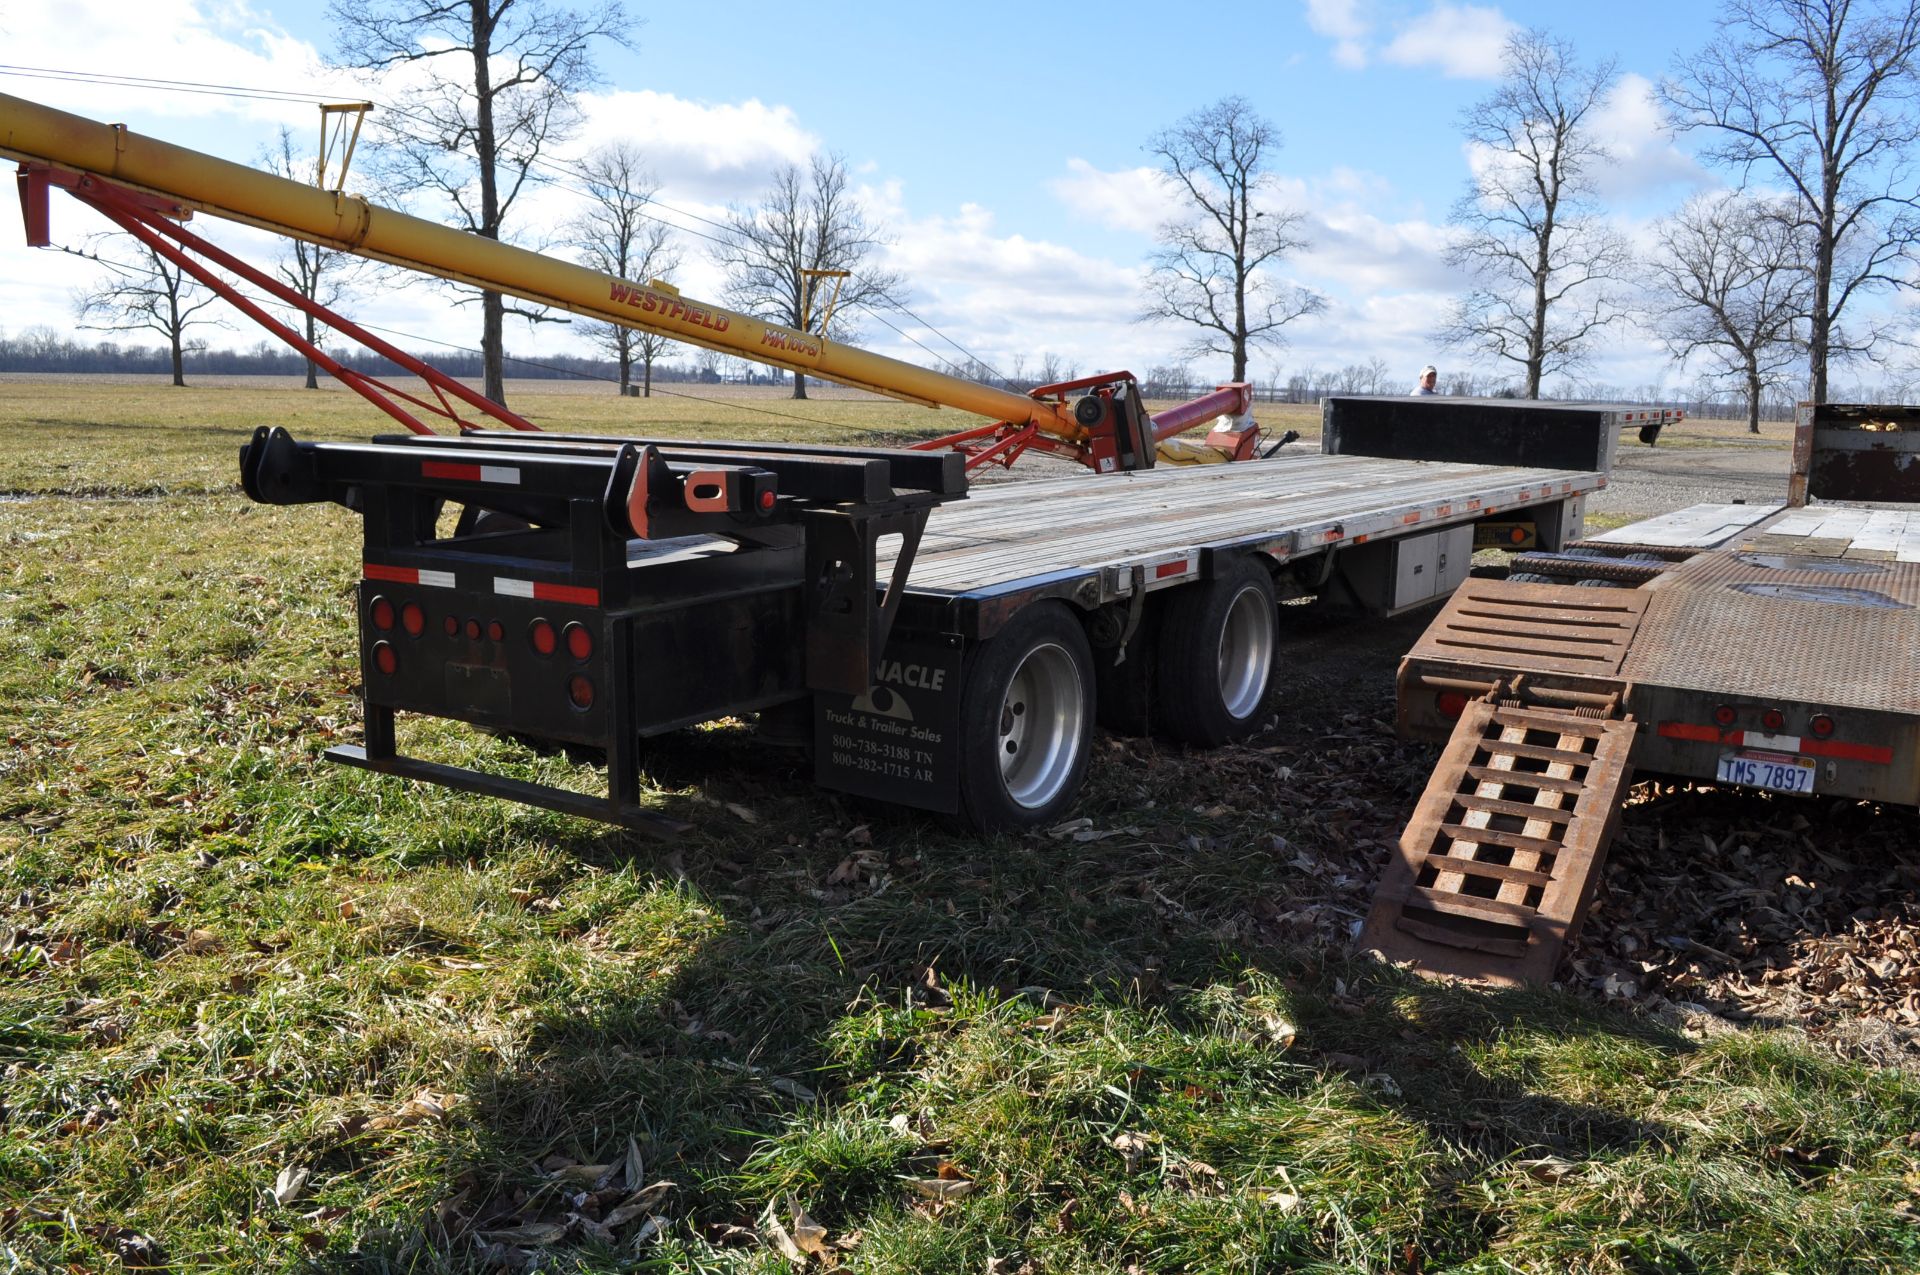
[900, 740]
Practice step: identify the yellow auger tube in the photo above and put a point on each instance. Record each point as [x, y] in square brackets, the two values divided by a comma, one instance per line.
[39, 134]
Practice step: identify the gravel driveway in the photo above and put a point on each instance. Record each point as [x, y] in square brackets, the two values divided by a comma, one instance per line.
[1658, 480]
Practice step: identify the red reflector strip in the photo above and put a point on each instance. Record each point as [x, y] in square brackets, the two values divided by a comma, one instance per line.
[1166, 569]
[1837, 749]
[406, 575]
[470, 473]
[579, 595]
[1847, 752]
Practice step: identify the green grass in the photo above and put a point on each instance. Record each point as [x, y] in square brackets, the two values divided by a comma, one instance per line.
[225, 959]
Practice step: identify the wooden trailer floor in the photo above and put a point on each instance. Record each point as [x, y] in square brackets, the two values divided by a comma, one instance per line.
[1014, 535]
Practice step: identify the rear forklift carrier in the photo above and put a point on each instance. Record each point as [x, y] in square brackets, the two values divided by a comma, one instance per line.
[946, 654]
[596, 591]
[1765, 647]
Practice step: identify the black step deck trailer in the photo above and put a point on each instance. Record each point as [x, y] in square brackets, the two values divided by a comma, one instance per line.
[942, 648]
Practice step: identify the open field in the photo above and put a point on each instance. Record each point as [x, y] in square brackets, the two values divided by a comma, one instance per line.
[258, 1013]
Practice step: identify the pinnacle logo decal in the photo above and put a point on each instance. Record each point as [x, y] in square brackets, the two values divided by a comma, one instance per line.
[883, 702]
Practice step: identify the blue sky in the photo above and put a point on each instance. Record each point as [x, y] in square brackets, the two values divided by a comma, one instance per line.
[1002, 143]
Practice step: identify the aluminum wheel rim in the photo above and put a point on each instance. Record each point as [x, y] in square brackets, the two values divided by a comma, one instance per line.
[1246, 653]
[1042, 719]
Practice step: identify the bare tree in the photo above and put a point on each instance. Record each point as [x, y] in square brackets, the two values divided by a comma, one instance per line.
[144, 292]
[805, 221]
[496, 95]
[1815, 95]
[321, 275]
[1733, 273]
[617, 234]
[1214, 267]
[1542, 261]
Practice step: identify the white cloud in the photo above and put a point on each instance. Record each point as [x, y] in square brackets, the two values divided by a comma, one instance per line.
[1344, 22]
[1633, 128]
[1463, 41]
[1134, 199]
[225, 44]
[701, 150]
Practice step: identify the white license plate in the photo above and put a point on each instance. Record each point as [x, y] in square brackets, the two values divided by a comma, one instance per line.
[1774, 772]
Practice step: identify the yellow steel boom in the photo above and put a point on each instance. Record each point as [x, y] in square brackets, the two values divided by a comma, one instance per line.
[38, 134]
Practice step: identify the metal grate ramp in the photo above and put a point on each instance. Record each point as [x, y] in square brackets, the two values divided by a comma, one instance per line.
[1495, 870]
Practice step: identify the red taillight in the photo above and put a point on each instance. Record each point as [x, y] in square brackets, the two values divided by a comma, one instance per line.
[544, 639]
[1773, 719]
[766, 500]
[452, 625]
[580, 691]
[473, 630]
[381, 613]
[496, 631]
[384, 658]
[1820, 726]
[1450, 703]
[1724, 715]
[579, 641]
[413, 619]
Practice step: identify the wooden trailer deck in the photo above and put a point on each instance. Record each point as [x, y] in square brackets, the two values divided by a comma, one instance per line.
[1014, 536]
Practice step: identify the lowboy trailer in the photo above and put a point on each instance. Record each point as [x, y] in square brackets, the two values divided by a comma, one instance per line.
[944, 649]
[1770, 647]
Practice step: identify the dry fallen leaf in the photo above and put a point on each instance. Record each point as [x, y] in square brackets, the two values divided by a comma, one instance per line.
[644, 1201]
[1132, 1148]
[531, 1234]
[635, 1168]
[941, 1188]
[810, 1235]
[1549, 1168]
[290, 1185]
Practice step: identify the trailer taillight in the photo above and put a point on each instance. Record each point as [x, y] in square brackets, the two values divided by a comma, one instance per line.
[381, 613]
[413, 619]
[1820, 726]
[496, 631]
[473, 630]
[1773, 719]
[1450, 703]
[452, 626]
[580, 691]
[1724, 715]
[384, 658]
[579, 641]
[544, 639]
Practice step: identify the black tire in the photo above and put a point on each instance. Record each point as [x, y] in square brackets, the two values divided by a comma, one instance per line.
[1026, 721]
[1214, 667]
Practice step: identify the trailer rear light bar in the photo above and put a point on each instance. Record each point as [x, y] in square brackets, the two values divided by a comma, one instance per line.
[1812, 745]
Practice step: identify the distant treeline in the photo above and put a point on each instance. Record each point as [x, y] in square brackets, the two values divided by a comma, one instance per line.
[44, 350]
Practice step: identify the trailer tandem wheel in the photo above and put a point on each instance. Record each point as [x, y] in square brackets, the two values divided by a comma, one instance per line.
[1026, 720]
[1214, 669]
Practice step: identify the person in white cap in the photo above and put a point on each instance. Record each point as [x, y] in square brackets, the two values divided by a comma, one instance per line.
[1428, 375]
